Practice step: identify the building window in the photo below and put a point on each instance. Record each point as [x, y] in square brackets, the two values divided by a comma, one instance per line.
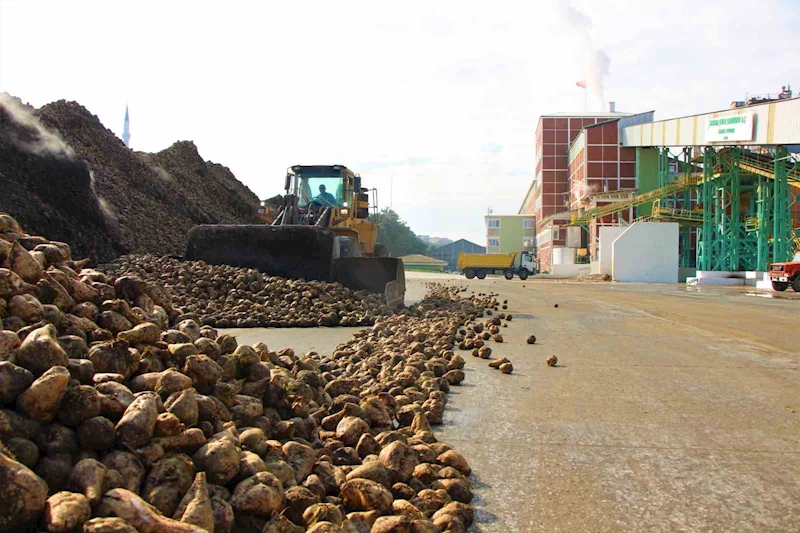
[556, 234]
[528, 223]
[493, 223]
[494, 242]
[527, 243]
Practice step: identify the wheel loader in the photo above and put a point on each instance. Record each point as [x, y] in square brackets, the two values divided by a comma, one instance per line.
[322, 232]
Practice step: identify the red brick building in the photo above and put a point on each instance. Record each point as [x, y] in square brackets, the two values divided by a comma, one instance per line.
[601, 172]
[552, 193]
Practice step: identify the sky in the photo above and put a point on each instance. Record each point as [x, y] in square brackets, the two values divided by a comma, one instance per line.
[434, 103]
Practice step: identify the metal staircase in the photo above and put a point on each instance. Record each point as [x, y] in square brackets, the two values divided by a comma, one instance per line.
[754, 165]
[749, 163]
[673, 188]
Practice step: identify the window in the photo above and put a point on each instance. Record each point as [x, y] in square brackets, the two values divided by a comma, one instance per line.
[544, 237]
[494, 242]
[493, 223]
[528, 223]
[527, 243]
[556, 234]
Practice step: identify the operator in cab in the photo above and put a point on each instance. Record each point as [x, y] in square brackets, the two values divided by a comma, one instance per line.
[325, 198]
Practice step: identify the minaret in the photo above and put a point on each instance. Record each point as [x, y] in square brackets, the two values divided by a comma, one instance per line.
[126, 130]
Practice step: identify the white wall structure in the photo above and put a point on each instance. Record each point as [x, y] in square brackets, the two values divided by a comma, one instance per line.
[569, 271]
[563, 255]
[646, 252]
[749, 278]
[607, 236]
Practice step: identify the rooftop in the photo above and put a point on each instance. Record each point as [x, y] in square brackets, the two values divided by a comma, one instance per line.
[419, 258]
[587, 114]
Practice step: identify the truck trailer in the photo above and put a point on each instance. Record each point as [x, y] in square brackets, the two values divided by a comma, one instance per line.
[479, 265]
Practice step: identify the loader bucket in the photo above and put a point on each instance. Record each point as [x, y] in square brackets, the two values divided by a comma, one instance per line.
[384, 275]
[294, 251]
[288, 251]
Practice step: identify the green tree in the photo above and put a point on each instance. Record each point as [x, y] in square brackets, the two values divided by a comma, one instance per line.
[396, 236]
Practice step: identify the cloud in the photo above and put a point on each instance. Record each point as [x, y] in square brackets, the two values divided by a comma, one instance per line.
[492, 148]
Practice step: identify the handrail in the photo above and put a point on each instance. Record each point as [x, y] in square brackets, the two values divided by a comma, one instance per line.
[747, 163]
[667, 190]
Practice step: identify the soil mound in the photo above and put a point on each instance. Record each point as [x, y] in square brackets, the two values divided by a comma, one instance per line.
[86, 187]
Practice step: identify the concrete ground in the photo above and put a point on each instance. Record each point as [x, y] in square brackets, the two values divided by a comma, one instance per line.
[671, 409]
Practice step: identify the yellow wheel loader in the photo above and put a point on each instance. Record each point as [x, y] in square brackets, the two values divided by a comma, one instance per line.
[322, 232]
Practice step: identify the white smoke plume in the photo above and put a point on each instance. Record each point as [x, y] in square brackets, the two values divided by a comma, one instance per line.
[31, 135]
[597, 64]
[108, 210]
[163, 174]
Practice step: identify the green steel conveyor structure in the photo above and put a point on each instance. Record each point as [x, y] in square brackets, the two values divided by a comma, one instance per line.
[738, 205]
[734, 188]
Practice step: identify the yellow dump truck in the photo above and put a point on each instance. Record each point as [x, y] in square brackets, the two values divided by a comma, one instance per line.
[479, 265]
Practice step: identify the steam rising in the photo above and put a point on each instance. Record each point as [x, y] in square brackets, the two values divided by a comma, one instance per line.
[29, 134]
[105, 207]
[163, 174]
[597, 64]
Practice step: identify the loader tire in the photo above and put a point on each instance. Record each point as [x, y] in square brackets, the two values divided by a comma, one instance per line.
[348, 247]
[380, 250]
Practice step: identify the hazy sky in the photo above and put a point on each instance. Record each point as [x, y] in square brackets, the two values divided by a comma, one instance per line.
[434, 103]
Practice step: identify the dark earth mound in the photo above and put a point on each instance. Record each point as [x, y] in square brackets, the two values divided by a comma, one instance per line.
[102, 197]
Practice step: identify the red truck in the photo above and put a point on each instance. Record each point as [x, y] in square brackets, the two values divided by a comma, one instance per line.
[784, 274]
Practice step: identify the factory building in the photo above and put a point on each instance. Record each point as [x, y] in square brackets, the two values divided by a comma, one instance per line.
[510, 233]
[719, 191]
[578, 159]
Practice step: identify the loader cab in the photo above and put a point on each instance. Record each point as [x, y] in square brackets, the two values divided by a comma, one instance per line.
[324, 185]
[318, 187]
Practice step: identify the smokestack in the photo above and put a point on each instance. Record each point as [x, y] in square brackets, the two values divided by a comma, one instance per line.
[612, 107]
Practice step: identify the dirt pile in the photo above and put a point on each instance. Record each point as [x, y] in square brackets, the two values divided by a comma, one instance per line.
[211, 187]
[108, 199]
[121, 413]
[225, 296]
[46, 188]
[593, 277]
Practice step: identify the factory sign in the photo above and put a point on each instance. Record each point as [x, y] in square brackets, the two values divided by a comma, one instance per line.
[724, 127]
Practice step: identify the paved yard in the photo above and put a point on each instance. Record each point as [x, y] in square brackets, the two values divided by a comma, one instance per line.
[672, 409]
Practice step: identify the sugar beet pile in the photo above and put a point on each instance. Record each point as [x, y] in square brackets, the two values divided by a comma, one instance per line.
[225, 296]
[122, 414]
[66, 176]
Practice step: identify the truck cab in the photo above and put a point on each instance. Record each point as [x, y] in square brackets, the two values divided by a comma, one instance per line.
[528, 263]
[785, 274]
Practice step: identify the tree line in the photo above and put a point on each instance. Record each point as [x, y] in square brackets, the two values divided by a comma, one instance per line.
[398, 238]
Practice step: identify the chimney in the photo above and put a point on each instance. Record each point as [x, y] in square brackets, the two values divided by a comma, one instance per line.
[612, 107]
